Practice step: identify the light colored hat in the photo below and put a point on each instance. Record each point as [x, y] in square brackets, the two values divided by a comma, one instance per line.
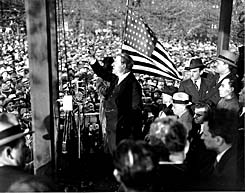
[181, 98]
[10, 129]
[227, 57]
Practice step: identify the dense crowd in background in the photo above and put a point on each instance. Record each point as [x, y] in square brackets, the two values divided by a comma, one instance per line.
[75, 69]
[76, 77]
[75, 74]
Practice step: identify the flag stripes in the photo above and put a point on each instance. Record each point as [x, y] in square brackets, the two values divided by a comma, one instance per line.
[148, 54]
[146, 65]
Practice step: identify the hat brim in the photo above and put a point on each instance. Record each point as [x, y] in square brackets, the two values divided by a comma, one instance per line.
[182, 102]
[201, 67]
[226, 61]
[14, 137]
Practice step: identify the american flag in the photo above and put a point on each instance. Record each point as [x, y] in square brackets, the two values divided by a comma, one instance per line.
[149, 56]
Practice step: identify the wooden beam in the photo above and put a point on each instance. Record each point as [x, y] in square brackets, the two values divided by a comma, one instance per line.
[42, 49]
[224, 25]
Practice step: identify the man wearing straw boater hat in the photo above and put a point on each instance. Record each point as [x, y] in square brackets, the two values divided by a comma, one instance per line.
[224, 67]
[12, 152]
[181, 108]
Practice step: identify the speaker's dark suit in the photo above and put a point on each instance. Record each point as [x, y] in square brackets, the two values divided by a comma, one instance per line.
[189, 88]
[123, 106]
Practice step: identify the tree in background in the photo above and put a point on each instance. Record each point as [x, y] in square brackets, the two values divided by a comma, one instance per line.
[169, 19]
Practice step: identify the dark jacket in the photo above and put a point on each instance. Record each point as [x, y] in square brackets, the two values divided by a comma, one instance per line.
[198, 158]
[228, 173]
[186, 118]
[189, 88]
[172, 177]
[124, 100]
[11, 174]
[213, 90]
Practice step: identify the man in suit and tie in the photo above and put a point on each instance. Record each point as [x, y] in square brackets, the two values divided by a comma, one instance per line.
[198, 157]
[196, 86]
[225, 66]
[123, 106]
[219, 134]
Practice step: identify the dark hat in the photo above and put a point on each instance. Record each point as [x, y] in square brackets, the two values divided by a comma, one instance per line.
[10, 129]
[227, 57]
[196, 63]
[181, 98]
[170, 90]
[167, 92]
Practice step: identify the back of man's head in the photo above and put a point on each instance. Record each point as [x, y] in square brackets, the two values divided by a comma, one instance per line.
[223, 123]
[135, 165]
[171, 131]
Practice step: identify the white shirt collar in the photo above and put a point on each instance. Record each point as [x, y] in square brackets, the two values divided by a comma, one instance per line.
[201, 129]
[243, 111]
[197, 82]
[219, 156]
[122, 77]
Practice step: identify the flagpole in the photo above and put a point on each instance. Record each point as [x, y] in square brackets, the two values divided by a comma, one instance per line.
[126, 21]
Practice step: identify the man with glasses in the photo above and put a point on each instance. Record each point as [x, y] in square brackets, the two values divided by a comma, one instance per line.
[198, 157]
[201, 112]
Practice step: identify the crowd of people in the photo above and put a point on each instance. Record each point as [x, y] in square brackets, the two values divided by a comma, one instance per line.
[197, 135]
[163, 135]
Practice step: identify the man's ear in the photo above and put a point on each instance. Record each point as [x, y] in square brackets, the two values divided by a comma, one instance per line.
[116, 173]
[219, 140]
[8, 152]
[124, 66]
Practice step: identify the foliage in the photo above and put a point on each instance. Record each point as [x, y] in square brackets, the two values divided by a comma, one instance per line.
[169, 19]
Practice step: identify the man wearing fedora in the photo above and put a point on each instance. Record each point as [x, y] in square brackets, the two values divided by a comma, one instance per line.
[224, 67]
[181, 103]
[196, 86]
[12, 153]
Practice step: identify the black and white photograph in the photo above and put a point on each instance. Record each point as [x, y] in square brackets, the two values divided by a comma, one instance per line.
[122, 95]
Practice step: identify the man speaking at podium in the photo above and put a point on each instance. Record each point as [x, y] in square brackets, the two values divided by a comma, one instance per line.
[123, 106]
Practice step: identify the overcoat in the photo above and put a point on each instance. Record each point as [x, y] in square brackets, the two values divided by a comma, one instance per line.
[123, 106]
[189, 88]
